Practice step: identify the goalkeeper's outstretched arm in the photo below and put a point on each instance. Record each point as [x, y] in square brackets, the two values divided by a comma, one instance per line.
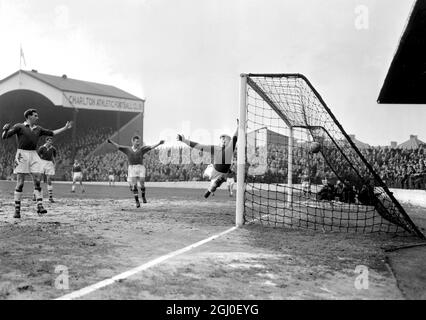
[236, 130]
[195, 145]
[235, 136]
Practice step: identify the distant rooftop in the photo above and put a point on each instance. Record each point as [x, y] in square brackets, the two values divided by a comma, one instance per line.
[358, 143]
[64, 83]
[413, 143]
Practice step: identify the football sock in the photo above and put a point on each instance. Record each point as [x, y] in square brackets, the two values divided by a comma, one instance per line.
[135, 193]
[50, 191]
[39, 197]
[143, 194]
[17, 198]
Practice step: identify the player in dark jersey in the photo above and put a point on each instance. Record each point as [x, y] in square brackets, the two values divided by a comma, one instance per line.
[27, 161]
[77, 175]
[136, 169]
[222, 159]
[47, 154]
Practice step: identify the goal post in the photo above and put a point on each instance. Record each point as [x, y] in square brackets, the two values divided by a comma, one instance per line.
[290, 166]
[241, 153]
[297, 167]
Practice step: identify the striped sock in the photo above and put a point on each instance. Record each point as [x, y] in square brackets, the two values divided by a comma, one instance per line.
[17, 197]
[50, 191]
[39, 197]
[135, 193]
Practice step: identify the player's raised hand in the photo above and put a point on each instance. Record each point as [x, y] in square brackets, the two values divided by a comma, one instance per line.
[109, 140]
[68, 125]
[161, 141]
[6, 127]
[180, 137]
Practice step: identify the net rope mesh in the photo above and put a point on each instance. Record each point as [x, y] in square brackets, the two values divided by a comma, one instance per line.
[334, 189]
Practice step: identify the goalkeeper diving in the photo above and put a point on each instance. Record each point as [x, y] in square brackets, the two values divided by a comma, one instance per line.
[223, 155]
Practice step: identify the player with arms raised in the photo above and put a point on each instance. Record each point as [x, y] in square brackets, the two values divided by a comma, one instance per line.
[222, 159]
[136, 169]
[27, 160]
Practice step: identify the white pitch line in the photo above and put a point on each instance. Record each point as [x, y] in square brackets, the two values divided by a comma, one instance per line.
[126, 274]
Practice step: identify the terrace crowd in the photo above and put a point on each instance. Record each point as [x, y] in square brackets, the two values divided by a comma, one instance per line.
[398, 168]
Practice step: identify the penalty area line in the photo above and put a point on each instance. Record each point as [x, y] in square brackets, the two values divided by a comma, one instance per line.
[89, 289]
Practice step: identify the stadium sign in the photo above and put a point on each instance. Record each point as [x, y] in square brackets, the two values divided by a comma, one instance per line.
[94, 102]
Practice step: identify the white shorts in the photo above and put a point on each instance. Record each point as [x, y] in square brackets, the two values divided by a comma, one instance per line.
[77, 176]
[27, 161]
[213, 174]
[136, 171]
[111, 177]
[48, 168]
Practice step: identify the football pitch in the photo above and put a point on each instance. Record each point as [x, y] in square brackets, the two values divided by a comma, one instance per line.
[182, 246]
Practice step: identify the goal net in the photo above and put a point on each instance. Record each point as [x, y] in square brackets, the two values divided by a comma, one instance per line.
[297, 167]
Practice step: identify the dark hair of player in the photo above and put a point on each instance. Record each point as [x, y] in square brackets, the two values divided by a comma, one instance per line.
[136, 138]
[29, 112]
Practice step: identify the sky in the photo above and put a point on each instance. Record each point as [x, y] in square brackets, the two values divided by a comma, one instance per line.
[185, 57]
